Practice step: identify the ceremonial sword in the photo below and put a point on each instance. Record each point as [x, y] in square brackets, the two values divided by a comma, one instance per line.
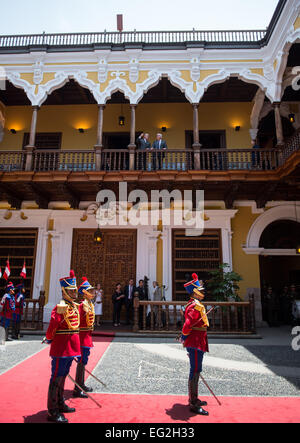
[92, 375]
[79, 387]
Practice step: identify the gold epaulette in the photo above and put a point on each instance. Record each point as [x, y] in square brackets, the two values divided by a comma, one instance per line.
[201, 308]
[198, 305]
[62, 307]
[86, 306]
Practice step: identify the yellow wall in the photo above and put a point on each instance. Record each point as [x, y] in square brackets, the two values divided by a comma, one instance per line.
[245, 265]
[149, 117]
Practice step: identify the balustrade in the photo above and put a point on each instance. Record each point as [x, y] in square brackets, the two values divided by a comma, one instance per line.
[229, 318]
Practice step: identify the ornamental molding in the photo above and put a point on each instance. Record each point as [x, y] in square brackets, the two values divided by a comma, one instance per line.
[280, 212]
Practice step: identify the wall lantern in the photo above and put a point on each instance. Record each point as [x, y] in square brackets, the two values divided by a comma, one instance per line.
[81, 130]
[292, 118]
[98, 237]
[164, 129]
[121, 120]
[237, 128]
[13, 131]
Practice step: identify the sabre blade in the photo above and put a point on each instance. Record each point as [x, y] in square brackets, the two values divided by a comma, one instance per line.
[79, 387]
[210, 390]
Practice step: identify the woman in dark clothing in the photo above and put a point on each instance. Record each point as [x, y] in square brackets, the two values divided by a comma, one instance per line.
[117, 300]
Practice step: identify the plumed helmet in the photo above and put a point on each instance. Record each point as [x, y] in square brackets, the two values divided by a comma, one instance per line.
[85, 286]
[69, 282]
[10, 286]
[194, 286]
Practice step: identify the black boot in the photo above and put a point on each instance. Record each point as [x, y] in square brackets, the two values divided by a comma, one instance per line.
[194, 402]
[62, 406]
[80, 381]
[15, 334]
[54, 415]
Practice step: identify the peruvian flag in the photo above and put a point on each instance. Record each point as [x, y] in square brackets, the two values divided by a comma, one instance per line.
[7, 271]
[23, 272]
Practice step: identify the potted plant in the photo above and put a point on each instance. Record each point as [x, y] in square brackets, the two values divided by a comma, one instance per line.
[222, 284]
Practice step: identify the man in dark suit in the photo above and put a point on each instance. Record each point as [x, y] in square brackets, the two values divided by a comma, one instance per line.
[159, 147]
[142, 297]
[129, 291]
[143, 144]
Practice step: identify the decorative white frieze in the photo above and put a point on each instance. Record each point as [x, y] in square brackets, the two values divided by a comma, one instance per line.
[38, 72]
[195, 69]
[134, 70]
[102, 70]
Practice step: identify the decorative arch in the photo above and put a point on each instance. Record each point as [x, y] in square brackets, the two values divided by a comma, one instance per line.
[292, 37]
[18, 82]
[282, 212]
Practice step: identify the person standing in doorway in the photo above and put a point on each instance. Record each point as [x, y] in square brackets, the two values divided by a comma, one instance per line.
[129, 291]
[98, 303]
[117, 299]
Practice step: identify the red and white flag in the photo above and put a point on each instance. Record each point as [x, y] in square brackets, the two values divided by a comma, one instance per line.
[0, 272]
[7, 271]
[23, 272]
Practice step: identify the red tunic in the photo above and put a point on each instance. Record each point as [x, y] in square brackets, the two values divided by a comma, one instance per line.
[195, 319]
[63, 330]
[87, 319]
[8, 303]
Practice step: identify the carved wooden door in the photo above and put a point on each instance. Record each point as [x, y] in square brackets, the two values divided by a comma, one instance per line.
[112, 262]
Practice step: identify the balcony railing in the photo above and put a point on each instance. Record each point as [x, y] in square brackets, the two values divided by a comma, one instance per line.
[145, 37]
[170, 160]
[229, 318]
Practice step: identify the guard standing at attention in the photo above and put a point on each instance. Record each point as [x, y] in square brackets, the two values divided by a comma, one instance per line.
[194, 339]
[7, 308]
[63, 335]
[87, 321]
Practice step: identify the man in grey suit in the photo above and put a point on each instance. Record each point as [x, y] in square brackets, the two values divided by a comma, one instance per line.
[160, 146]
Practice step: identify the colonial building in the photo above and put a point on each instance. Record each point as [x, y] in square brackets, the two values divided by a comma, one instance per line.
[226, 102]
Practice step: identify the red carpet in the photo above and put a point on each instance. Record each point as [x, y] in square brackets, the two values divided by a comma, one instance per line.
[24, 399]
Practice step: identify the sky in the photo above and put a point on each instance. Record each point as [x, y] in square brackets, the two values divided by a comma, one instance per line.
[59, 16]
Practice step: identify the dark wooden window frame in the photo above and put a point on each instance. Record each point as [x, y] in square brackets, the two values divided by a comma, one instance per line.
[220, 260]
[222, 132]
[16, 270]
[45, 135]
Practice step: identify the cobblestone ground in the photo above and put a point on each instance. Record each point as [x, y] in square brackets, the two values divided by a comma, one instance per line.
[241, 367]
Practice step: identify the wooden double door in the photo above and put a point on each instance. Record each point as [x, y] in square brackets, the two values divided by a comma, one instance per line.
[112, 262]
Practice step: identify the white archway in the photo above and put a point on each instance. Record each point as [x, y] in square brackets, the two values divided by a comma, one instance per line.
[288, 211]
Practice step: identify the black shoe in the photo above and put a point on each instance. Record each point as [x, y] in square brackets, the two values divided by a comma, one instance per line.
[201, 403]
[79, 394]
[66, 409]
[56, 417]
[198, 410]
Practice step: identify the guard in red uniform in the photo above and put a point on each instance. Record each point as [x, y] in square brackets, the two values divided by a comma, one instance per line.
[19, 308]
[194, 339]
[87, 321]
[63, 335]
[7, 308]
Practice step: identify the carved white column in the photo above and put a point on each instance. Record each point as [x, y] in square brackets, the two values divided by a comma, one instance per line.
[147, 253]
[278, 123]
[57, 265]
[167, 261]
[41, 253]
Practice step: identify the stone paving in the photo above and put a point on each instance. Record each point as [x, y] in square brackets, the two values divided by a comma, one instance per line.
[147, 365]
